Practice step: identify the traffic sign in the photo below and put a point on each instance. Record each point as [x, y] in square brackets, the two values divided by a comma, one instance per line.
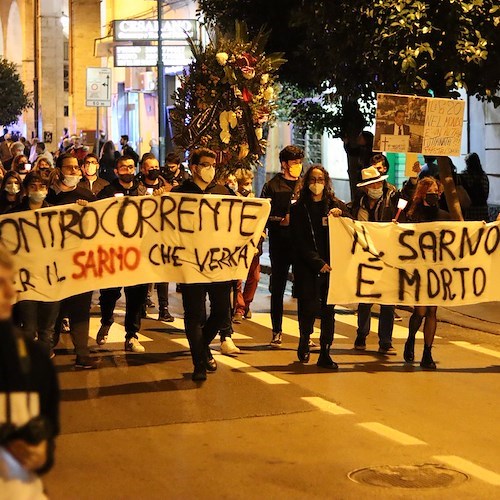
[98, 87]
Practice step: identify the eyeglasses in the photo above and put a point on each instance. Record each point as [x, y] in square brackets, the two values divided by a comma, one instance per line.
[206, 165]
[314, 180]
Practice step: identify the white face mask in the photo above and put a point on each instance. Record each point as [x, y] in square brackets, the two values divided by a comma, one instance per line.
[91, 169]
[71, 180]
[375, 193]
[12, 188]
[207, 174]
[37, 196]
[233, 186]
[316, 188]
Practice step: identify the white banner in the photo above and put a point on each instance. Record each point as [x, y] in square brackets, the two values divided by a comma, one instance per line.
[432, 263]
[183, 238]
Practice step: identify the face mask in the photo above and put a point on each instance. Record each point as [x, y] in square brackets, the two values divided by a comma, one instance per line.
[295, 170]
[126, 178]
[432, 199]
[12, 188]
[91, 169]
[71, 180]
[207, 174]
[153, 174]
[375, 194]
[37, 196]
[316, 188]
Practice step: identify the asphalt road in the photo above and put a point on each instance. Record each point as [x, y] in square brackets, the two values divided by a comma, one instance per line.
[265, 426]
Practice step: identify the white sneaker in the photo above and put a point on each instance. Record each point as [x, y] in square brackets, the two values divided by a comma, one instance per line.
[228, 347]
[134, 345]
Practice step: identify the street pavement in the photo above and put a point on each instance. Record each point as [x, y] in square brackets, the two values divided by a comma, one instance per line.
[266, 426]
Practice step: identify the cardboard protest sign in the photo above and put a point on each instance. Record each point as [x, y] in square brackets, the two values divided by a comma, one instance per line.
[432, 263]
[185, 238]
[428, 125]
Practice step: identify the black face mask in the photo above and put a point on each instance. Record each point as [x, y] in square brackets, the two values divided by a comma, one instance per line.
[153, 174]
[126, 178]
[432, 199]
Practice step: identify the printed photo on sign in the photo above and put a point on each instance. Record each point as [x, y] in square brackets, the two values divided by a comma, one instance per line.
[410, 124]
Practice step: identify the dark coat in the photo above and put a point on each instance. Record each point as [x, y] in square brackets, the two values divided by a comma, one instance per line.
[311, 244]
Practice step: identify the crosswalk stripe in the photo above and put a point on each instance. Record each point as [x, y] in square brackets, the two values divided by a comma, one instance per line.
[240, 366]
[390, 433]
[116, 332]
[476, 348]
[470, 468]
[327, 406]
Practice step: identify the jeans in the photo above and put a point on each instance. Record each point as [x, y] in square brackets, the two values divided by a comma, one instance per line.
[385, 325]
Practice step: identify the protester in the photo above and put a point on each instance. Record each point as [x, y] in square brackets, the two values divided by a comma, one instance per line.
[12, 191]
[309, 228]
[43, 166]
[282, 190]
[65, 190]
[424, 208]
[153, 182]
[107, 161]
[35, 318]
[91, 179]
[124, 185]
[29, 413]
[377, 204]
[476, 183]
[174, 171]
[128, 150]
[200, 331]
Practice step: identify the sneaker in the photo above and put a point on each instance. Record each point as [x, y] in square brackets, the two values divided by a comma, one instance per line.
[149, 303]
[276, 341]
[65, 327]
[228, 347]
[388, 350]
[248, 313]
[397, 317]
[86, 363]
[237, 318]
[165, 316]
[132, 344]
[102, 334]
[360, 343]
[311, 343]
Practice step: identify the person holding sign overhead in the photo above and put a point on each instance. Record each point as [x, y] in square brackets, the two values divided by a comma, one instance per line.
[311, 267]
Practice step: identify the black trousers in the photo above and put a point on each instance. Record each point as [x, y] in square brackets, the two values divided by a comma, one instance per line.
[135, 297]
[200, 330]
[280, 254]
[309, 307]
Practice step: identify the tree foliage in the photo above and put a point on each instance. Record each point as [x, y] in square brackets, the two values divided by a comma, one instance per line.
[13, 98]
[348, 50]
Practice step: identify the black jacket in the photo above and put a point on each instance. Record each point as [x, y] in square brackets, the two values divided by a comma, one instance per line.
[33, 373]
[66, 197]
[311, 246]
[190, 186]
[115, 187]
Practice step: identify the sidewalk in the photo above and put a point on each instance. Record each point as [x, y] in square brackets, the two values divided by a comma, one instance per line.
[484, 317]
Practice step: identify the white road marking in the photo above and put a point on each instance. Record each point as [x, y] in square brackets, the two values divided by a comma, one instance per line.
[476, 348]
[390, 433]
[290, 326]
[470, 468]
[327, 406]
[116, 333]
[240, 366]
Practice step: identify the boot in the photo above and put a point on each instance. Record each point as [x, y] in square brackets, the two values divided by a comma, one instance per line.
[164, 315]
[409, 353]
[324, 360]
[427, 362]
[303, 352]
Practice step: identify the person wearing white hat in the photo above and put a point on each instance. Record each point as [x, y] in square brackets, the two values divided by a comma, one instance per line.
[377, 203]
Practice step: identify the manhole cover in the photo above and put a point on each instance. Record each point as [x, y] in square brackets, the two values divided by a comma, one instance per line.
[408, 476]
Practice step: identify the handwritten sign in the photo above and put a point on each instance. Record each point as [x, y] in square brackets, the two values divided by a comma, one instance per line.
[431, 126]
[185, 238]
[435, 263]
